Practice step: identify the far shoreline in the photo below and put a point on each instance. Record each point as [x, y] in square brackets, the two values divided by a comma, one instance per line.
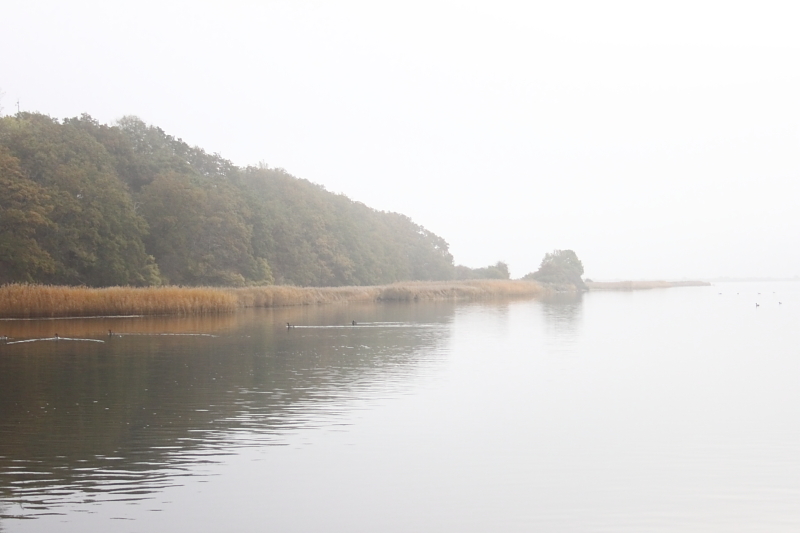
[641, 285]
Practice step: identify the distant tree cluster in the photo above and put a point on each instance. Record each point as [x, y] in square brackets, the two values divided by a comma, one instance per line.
[496, 271]
[85, 203]
[560, 269]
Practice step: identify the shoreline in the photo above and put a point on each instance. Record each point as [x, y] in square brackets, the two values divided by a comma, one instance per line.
[27, 301]
[641, 285]
[21, 301]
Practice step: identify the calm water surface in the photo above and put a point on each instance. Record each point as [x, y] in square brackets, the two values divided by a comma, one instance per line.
[663, 410]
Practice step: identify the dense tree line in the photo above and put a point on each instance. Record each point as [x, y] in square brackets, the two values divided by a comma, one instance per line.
[85, 203]
[496, 271]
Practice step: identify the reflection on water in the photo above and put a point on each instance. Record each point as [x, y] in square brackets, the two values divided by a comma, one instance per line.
[119, 419]
[562, 314]
[99, 327]
[645, 411]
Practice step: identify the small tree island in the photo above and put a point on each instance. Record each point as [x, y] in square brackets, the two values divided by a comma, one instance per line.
[560, 270]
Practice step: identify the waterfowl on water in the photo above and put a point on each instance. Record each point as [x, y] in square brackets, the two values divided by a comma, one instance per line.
[57, 337]
[757, 305]
[354, 322]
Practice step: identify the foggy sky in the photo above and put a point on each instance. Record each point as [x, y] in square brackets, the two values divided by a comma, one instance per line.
[657, 140]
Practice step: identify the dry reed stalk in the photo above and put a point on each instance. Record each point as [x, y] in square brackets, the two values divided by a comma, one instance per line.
[468, 290]
[31, 301]
[279, 296]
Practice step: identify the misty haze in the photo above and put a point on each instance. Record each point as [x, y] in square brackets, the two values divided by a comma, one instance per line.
[441, 266]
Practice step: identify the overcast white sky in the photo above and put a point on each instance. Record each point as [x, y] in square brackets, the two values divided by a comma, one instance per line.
[656, 139]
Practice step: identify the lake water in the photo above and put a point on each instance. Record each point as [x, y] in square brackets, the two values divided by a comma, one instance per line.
[664, 410]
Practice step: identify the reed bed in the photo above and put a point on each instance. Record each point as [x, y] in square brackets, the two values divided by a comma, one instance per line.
[44, 301]
[283, 296]
[463, 290]
[47, 301]
[278, 296]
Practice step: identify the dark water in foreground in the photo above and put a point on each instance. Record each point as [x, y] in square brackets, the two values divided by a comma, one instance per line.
[663, 410]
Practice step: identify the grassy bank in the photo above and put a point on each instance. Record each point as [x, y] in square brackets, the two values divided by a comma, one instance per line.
[44, 301]
[640, 285]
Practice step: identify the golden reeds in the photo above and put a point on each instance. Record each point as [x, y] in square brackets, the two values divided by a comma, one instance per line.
[279, 296]
[29, 301]
[45, 301]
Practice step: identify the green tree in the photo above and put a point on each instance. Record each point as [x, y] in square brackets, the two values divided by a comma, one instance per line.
[313, 237]
[24, 209]
[99, 204]
[560, 268]
[199, 234]
[94, 235]
[496, 271]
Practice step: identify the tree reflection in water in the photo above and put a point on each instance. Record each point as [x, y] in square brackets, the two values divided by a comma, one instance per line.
[562, 312]
[85, 423]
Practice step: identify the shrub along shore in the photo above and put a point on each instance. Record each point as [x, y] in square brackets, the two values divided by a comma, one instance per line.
[48, 301]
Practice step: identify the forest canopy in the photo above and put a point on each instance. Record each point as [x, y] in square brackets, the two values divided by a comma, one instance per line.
[496, 271]
[91, 204]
